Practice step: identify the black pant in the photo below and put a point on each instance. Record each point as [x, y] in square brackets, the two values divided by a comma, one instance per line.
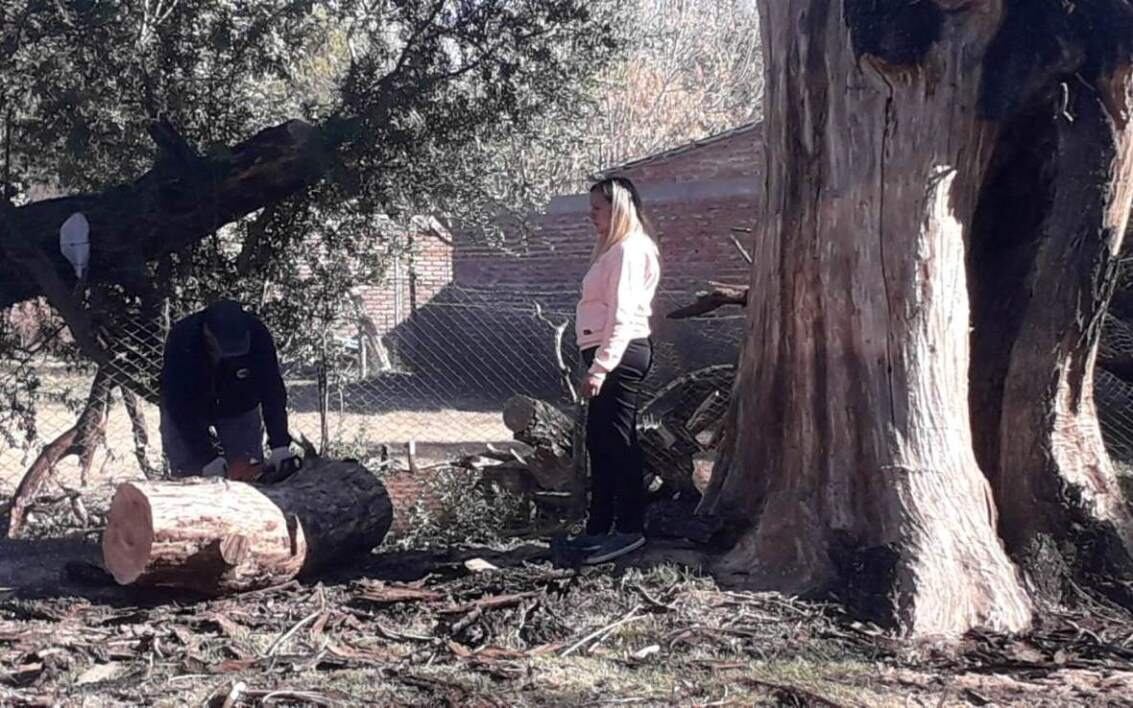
[617, 493]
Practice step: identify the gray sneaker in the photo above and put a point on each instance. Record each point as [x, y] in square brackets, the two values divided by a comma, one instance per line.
[615, 546]
[587, 543]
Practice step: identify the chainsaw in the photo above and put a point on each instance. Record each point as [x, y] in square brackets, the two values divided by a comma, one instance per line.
[258, 472]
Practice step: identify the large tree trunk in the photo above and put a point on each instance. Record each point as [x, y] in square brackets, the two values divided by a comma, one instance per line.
[850, 443]
[220, 536]
[1044, 253]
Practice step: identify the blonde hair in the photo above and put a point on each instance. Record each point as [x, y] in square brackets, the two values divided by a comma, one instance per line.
[626, 214]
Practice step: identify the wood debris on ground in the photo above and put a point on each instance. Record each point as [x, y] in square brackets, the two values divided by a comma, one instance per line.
[422, 628]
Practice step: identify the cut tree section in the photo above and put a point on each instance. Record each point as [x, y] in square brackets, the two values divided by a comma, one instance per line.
[219, 536]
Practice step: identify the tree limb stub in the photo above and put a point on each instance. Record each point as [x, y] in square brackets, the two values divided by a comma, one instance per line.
[720, 296]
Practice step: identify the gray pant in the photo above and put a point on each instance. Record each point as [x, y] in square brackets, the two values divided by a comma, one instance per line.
[241, 437]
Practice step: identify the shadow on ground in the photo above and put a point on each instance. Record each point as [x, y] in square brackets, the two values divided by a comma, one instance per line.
[71, 567]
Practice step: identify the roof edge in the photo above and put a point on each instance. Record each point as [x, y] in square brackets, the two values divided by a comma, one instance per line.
[750, 126]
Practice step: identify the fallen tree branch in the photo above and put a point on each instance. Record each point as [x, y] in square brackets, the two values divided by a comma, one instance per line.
[70, 442]
[720, 296]
[739, 246]
[599, 634]
[493, 602]
[557, 342]
[282, 639]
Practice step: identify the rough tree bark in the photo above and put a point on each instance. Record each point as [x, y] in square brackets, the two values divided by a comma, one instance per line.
[850, 439]
[1044, 246]
[549, 432]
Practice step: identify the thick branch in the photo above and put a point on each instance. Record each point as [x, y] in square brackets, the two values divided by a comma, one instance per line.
[557, 341]
[706, 302]
[172, 206]
[71, 442]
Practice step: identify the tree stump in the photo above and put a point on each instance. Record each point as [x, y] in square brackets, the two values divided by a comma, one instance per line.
[222, 536]
[538, 423]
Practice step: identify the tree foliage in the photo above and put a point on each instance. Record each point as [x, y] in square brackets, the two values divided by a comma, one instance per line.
[689, 69]
[412, 99]
[460, 110]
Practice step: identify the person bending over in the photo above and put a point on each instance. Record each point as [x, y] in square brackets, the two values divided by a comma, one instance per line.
[220, 369]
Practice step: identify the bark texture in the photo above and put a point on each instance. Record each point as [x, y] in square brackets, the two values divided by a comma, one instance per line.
[850, 443]
[220, 536]
[1045, 247]
[550, 433]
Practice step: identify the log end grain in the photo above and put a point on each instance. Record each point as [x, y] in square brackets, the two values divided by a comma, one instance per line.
[519, 411]
[128, 540]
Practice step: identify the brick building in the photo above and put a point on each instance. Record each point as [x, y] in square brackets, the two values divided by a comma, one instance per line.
[420, 267]
[694, 194]
[698, 196]
[453, 304]
[477, 338]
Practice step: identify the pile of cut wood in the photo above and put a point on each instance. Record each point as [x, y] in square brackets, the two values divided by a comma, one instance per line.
[680, 427]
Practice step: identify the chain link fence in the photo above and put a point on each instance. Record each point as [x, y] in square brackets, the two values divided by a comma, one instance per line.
[438, 380]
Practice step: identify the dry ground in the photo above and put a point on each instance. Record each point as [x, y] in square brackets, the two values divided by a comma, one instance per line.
[423, 628]
[429, 628]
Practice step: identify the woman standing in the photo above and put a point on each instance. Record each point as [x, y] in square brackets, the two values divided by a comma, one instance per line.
[612, 326]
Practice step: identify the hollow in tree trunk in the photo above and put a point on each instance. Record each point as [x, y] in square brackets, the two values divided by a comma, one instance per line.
[1044, 244]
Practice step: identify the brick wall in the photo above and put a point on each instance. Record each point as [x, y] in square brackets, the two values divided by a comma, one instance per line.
[414, 278]
[479, 332]
[694, 195]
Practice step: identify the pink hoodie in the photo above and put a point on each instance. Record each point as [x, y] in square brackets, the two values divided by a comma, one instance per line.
[617, 300]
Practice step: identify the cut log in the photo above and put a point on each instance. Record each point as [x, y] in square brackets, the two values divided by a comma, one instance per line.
[702, 464]
[222, 536]
[549, 432]
[538, 423]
